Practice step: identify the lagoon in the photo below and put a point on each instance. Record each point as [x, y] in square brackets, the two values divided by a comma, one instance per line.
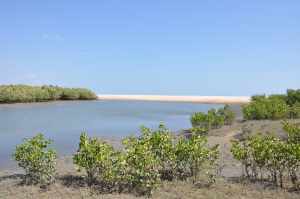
[64, 121]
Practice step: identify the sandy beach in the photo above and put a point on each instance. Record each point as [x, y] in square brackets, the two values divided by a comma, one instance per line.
[168, 98]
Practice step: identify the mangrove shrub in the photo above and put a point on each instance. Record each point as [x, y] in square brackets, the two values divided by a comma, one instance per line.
[26, 94]
[264, 156]
[38, 161]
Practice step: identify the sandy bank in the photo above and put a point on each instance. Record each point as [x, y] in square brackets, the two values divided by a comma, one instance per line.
[192, 99]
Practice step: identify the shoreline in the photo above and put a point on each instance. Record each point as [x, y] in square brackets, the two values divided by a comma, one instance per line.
[238, 100]
[169, 98]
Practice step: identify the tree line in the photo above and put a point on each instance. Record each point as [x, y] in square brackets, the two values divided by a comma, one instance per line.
[274, 107]
[26, 93]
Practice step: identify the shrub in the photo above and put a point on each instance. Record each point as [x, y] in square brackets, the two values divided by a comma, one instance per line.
[240, 151]
[96, 158]
[293, 132]
[146, 160]
[162, 146]
[24, 93]
[258, 97]
[70, 94]
[256, 110]
[279, 97]
[85, 94]
[293, 96]
[55, 92]
[273, 107]
[268, 108]
[199, 119]
[193, 155]
[213, 119]
[269, 155]
[37, 160]
[143, 168]
[294, 111]
[227, 114]
[277, 109]
[198, 131]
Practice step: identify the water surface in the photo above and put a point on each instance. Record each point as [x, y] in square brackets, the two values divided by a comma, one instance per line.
[64, 121]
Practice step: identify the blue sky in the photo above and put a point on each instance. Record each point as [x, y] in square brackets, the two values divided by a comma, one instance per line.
[208, 47]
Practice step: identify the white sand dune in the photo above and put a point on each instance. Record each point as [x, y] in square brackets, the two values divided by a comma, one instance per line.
[166, 98]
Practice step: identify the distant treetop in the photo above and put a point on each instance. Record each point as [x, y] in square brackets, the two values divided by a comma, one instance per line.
[26, 94]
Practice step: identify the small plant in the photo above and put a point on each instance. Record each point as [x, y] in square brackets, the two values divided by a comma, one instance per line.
[96, 158]
[213, 119]
[293, 132]
[162, 146]
[294, 111]
[38, 161]
[228, 114]
[193, 156]
[143, 167]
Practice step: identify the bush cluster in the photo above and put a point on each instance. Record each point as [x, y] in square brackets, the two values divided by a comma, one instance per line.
[268, 157]
[25, 93]
[215, 118]
[146, 160]
[37, 160]
[274, 106]
[141, 165]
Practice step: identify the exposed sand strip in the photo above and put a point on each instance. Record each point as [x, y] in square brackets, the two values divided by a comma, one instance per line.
[192, 99]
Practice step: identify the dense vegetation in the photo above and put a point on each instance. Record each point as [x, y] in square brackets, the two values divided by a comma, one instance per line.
[25, 93]
[146, 161]
[274, 106]
[267, 157]
[215, 118]
[37, 160]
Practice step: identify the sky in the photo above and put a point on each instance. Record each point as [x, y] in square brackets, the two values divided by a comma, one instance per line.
[170, 47]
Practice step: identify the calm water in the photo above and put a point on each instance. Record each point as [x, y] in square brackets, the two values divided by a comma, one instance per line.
[64, 121]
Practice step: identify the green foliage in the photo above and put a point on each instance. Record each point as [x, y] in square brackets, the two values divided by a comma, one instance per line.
[213, 119]
[143, 167]
[293, 132]
[273, 107]
[146, 160]
[227, 114]
[162, 146]
[277, 109]
[267, 108]
[193, 155]
[258, 97]
[293, 96]
[24, 93]
[294, 111]
[278, 97]
[255, 110]
[70, 94]
[95, 157]
[268, 156]
[38, 161]
[199, 131]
